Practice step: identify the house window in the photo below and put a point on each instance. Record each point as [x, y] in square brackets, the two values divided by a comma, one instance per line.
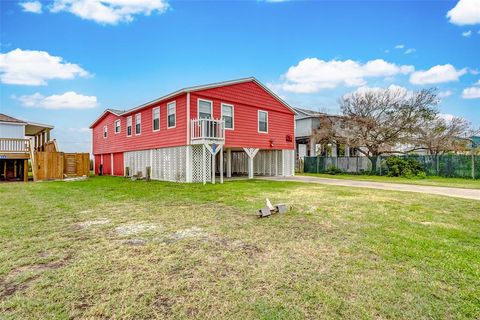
[117, 126]
[171, 108]
[156, 119]
[105, 132]
[262, 121]
[227, 115]
[129, 126]
[138, 123]
[204, 109]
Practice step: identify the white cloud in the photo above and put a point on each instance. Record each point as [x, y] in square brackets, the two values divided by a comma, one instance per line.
[410, 50]
[399, 46]
[312, 74]
[110, 11]
[471, 93]
[68, 100]
[437, 74]
[34, 68]
[467, 34]
[477, 83]
[444, 94]
[465, 12]
[31, 6]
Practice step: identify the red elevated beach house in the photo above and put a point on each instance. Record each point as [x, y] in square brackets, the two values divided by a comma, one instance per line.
[192, 135]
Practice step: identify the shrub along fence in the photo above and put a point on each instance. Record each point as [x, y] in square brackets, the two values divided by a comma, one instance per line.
[454, 166]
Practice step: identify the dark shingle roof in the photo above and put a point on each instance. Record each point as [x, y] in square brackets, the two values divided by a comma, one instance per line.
[5, 118]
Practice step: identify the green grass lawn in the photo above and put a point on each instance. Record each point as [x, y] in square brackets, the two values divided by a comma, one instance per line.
[428, 181]
[114, 248]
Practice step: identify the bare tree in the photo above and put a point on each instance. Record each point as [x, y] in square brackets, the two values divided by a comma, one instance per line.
[441, 135]
[375, 121]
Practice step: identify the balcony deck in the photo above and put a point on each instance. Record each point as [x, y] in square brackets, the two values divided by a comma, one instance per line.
[11, 148]
[207, 131]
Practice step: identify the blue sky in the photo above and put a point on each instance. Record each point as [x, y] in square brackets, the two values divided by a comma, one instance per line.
[64, 61]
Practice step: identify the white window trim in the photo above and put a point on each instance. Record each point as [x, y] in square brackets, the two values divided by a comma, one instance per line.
[258, 121]
[233, 114]
[198, 107]
[153, 119]
[140, 122]
[175, 109]
[105, 132]
[131, 126]
[115, 126]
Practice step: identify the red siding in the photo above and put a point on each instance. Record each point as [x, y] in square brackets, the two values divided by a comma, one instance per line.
[147, 139]
[97, 163]
[107, 164]
[247, 99]
[118, 164]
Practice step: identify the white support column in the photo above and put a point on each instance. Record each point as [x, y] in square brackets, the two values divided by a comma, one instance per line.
[251, 152]
[111, 164]
[221, 164]
[229, 163]
[276, 163]
[213, 168]
[204, 164]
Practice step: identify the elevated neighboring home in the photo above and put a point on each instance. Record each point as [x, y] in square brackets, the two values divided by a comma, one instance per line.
[307, 122]
[19, 140]
[193, 134]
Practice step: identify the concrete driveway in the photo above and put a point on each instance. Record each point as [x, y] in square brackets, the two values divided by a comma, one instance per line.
[473, 194]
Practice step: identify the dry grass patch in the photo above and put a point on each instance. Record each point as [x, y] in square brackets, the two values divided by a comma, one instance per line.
[144, 250]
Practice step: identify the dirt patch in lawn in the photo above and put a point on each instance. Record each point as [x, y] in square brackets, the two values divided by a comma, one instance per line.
[182, 234]
[136, 228]
[10, 283]
[90, 223]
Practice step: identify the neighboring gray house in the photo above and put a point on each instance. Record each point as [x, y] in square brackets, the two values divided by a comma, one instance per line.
[307, 121]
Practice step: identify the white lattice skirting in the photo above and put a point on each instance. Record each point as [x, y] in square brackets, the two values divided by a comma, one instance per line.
[171, 164]
[167, 164]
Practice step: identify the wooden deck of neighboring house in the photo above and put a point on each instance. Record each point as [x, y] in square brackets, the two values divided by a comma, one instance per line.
[28, 152]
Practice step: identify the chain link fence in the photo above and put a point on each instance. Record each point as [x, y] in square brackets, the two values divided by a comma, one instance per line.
[452, 166]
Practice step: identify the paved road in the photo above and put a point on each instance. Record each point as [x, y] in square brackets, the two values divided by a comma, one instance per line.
[443, 191]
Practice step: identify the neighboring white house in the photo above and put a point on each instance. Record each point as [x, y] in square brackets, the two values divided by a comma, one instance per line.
[306, 122]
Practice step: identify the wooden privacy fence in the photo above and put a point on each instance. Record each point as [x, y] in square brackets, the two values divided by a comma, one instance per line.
[57, 165]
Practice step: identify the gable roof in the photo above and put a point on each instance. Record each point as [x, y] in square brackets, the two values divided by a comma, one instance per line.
[307, 113]
[6, 118]
[193, 89]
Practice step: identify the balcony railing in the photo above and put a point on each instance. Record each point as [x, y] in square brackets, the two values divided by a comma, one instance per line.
[207, 129]
[10, 145]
